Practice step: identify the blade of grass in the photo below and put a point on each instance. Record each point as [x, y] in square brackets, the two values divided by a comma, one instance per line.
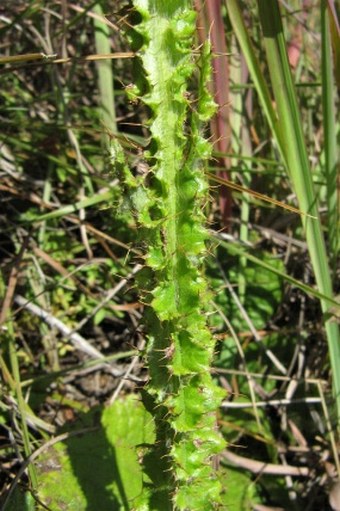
[27, 57]
[82, 13]
[238, 250]
[240, 143]
[330, 136]
[254, 159]
[294, 147]
[239, 27]
[7, 339]
[257, 195]
[334, 28]
[105, 73]
[72, 208]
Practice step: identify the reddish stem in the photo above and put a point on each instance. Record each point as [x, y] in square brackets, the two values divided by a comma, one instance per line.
[210, 24]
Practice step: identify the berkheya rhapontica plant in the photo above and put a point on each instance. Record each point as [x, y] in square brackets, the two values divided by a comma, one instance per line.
[169, 202]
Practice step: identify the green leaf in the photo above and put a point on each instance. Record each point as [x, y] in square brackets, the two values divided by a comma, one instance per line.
[21, 500]
[100, 469]
[241, 492]
[99, 316]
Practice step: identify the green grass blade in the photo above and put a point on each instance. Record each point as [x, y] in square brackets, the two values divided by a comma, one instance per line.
[235, 249]
[77, 206]
[299, 171]
[331, 130]
[105, 73]
[236, 19]
[9, 346]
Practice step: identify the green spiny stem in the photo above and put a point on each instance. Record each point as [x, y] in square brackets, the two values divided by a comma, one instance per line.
[180, 346]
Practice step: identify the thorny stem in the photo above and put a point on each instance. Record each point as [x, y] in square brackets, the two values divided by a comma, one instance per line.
[181, 394]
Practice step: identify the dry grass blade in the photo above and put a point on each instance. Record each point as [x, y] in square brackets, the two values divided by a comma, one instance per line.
[257, 195]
